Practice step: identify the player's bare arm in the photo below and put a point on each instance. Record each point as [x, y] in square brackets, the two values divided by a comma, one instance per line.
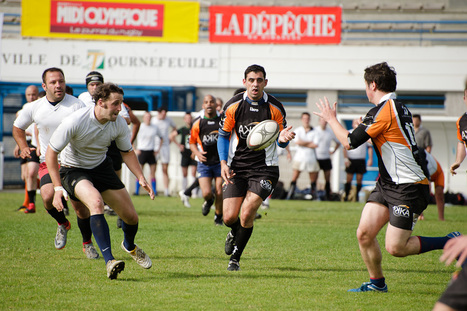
[131, 161]
[20, 137]
[460, 156]
[51, 159]
[329, 114]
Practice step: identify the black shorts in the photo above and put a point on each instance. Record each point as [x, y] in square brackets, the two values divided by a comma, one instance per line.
[103, 177]
[147, 156]
[260, 182]
[405, 202]
[356, 166]
[455, 295]
[114, 154]
[187, 161]
[33, 158]
[325, 165]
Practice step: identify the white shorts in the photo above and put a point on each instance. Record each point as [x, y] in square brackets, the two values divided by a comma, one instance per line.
[307, 166]
[164, 154]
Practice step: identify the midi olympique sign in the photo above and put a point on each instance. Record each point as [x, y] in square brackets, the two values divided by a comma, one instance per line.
[287, 25]
[162, 21]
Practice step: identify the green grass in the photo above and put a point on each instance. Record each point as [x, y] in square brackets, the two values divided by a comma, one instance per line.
[302, 256]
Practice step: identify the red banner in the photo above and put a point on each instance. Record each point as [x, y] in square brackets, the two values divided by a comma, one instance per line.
[107, 18]
[287, 25]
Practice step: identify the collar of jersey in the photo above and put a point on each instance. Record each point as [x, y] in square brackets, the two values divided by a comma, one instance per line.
[387, 97]
[261, 101]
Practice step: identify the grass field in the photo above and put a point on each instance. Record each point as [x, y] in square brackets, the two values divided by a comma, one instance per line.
[302, 256]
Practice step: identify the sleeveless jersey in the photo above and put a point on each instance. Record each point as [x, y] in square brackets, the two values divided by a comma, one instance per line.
[205, 133]
[239, 117]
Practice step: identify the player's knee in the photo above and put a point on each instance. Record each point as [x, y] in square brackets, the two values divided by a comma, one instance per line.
[363, 236]
[396, 249]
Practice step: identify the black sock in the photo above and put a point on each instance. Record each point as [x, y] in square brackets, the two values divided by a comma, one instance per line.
[359, 187]
[347, 189]
[293, 186]
[58, 216]
[32, 196]
[194, 185]
[327, 188]
[235, 226]
[241, 239]
[84, 226]
[129, 233]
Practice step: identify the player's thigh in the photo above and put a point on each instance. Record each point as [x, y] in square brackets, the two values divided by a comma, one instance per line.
[374, 217]
[396, 239]
[47, 194]
[249, 208]
[231, 209]
[120, 201]
[205, 185]
[85, 192]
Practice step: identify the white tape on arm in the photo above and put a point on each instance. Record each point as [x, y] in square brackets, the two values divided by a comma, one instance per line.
[60, 188]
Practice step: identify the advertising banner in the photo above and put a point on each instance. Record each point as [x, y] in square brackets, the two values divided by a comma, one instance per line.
[164, 21]
[282, 25]
[139, 63]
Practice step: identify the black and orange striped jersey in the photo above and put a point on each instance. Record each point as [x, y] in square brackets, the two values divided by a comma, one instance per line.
[240, 115]
[390, 127]
[462, 129]
[205, 133]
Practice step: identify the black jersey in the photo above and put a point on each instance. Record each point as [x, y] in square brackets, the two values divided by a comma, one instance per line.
[462, 129]
[205, 133]
[239, 117]
[184, 132]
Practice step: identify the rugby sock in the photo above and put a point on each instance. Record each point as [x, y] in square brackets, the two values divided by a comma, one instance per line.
[129, 233]
[194, 185]
[26, 196]
[137, 185]
[313, 189]
[241, 239]
[359, 187]
[428, 244]
[378, 282]
[347, 190]
[293, 186]
[84, 226]
[153, 184]
[184, 182]
[235, 226]
[32, 196]
[100, 229]
[327, 188]
[58, 216]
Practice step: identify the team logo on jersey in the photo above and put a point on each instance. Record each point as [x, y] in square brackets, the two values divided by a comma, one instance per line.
[401, 211]
[464, 135]
[244, 130]
[211, 138]
[95, 59]
[266, 185]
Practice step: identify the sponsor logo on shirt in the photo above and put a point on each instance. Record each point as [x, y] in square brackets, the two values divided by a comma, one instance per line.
[211, 138]
[254, 109]
[244, 130]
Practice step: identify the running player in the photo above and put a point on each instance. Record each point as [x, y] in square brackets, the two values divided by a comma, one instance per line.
[203, 144]
[401, 193]
[87, 175]
[249, 176]
[47, 113]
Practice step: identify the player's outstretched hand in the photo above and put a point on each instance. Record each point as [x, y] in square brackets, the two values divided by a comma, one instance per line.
[326, 111]
[26, 152]
[453, 168]
[286, 135]
[455, 248]
[143, 183]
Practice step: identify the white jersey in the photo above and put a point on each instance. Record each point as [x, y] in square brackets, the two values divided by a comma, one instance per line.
[147, 137]
[325, 137]
[47, 117]
[164, 127]
[360, 152]
[83, 141]
[305, 154]
[87, 99]
[31, 130]
[431, 164]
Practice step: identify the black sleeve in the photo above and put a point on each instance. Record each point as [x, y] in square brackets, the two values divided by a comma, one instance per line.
[358, 137]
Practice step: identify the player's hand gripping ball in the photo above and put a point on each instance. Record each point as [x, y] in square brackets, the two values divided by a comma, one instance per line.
[263, 135]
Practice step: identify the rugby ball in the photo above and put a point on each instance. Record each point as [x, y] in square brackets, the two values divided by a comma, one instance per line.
[262, 135]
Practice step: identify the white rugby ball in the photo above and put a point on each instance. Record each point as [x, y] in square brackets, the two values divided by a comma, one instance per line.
[263, 135]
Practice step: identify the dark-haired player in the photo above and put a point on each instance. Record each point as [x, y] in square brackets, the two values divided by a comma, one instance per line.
[47, 113]
[249, 176]
[82, 140]
[204, 133]
[402, 192]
